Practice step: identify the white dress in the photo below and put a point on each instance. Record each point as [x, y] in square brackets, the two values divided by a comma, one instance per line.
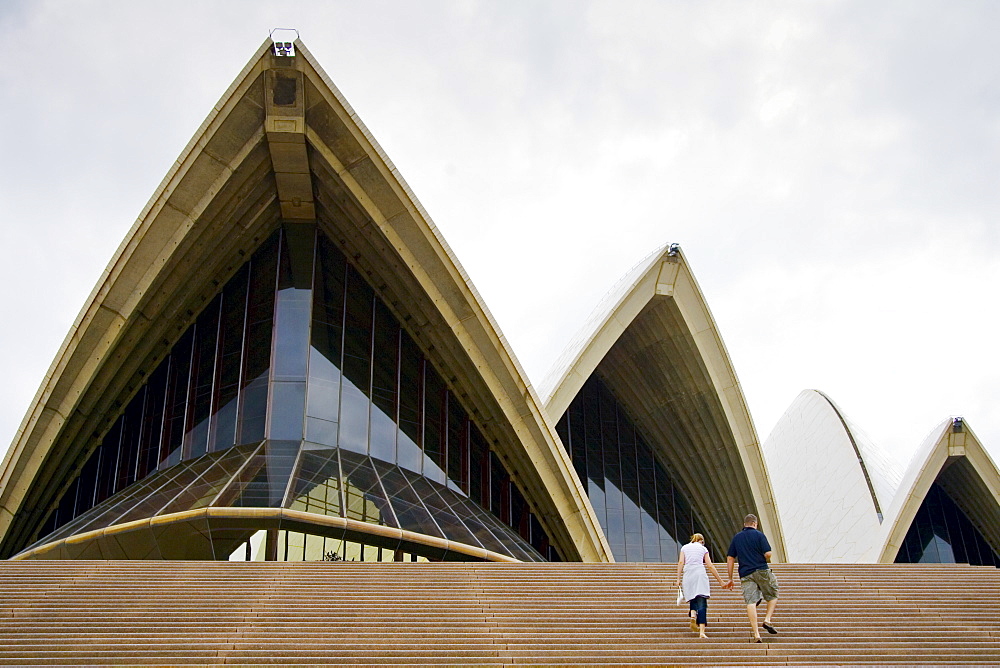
[695, 581]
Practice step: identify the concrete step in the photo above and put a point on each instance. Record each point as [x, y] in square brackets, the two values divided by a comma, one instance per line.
[183, 613]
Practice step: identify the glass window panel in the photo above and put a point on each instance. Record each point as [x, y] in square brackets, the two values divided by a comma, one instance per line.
[257, 348]
[354, 419]
[291, 333]
[326, 339]
[385, 378]
[935, 531]
[364, 497]
[206, 336]
[230, 356]
[458, 445]
[317, 486]
[478, 468]
[178, 375]
[287, 410]
[629, 488]
[411, 388]
[358, 332]
[128, 461]
[435, 421]
[152, 421]
[107, 464]
[217, 470]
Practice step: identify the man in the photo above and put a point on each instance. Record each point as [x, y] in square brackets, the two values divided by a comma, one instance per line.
[751, 549]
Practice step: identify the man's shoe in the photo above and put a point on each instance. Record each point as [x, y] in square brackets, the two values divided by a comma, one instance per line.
[767, 627]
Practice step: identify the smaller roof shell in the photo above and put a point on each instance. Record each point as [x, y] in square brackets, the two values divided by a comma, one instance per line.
[952, 456]
[831, 482]
[655, 343]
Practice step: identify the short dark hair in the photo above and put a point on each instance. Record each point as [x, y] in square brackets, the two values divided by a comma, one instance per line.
[749, 519]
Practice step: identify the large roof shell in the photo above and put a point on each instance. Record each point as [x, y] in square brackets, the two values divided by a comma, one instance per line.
[831, 483]
[655, 343]
[251, 165]
[952, 456]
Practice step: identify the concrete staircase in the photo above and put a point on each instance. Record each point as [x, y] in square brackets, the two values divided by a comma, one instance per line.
[114, 612]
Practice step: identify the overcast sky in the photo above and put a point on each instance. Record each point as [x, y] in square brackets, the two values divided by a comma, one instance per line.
[830, 170]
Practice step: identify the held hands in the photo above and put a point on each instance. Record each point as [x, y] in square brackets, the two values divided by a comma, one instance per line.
[728, 585]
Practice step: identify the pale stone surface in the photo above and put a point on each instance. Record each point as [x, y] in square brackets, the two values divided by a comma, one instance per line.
[828, 510]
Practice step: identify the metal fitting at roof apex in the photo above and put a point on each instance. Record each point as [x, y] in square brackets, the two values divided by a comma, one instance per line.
[284, 43]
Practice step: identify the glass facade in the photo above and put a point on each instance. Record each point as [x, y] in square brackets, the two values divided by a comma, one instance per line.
[323, 481]
[942, 534]
[295, 355]
[643, 514]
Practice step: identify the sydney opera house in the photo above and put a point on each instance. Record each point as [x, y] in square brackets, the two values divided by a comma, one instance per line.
[284, 361]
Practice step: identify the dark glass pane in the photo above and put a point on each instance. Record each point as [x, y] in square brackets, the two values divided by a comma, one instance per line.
[257, 348]
[411, 389]
[478, 468]
[108, 464]
[354, 417]
[458, 445]
[317, 488]
[435, 425]
[206, 337]
[323, 396]
[227, 373]
[151, 503]
[152, 421]
[364, 498]
[498, 482]
[178, 375]
[128, 460]
[635, 501]
[385, 365]
[262, 483]
[941, 533]
[87, 490]
[216, 470]
[288, 410]
[293, 306]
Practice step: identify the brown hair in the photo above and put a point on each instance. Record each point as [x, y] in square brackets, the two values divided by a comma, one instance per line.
[697, 538]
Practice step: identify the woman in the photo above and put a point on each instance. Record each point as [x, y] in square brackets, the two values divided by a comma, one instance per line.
[691, 566]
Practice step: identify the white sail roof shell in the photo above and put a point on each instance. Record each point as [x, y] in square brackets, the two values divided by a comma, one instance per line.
[831, 483]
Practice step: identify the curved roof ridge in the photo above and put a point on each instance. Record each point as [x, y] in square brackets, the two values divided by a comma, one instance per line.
[950, 441]
[881, 473]
[595, 320]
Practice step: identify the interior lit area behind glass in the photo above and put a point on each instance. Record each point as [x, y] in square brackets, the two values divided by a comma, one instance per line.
[295, 546]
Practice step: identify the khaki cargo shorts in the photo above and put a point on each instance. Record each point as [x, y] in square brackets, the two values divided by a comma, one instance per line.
[759, 585]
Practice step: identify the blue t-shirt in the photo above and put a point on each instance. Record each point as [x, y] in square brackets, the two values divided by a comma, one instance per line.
[748, 548]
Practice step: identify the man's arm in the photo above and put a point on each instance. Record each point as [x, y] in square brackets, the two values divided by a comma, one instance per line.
[729, 572]
[767, 556]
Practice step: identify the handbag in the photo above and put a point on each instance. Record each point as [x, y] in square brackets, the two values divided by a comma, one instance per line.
[680, 596]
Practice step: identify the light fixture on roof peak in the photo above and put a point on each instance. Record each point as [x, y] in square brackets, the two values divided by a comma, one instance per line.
[284, 42]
